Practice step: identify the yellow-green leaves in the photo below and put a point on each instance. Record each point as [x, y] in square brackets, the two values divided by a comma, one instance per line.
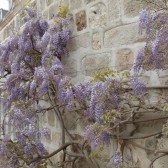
[102, 75]
[63, 10]
[110, 116]
[165, 108]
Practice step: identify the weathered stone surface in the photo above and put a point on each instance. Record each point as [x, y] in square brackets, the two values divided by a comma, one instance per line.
[17, 22]
[93, 62]
[124, 59]
[52, 10]
[98, 15]
[70, 120]
[161, 162]
[81, 41]
[49, 2]
[96, 41]
[88, 1]
[42, 4]
[163, 81]
[11, 28]
[51, 118]
[139, 156]
[45, 14]
[132, 7]
[44, 117]
[6, 33]
[75, 4]
[123, 35]
[113, 9]
[56, 138]
[81, 22]
[70, 66]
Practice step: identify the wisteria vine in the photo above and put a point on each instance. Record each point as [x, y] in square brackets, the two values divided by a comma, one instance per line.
[31, 72]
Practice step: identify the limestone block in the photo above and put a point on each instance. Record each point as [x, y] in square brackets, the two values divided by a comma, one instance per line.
[161, 162]
[17, 22]
[48, 2]
[56, 138]
[163, 81]
[98, 15]
[42, 4]
[132, 7]
[139, 156]
[113, 9]
[88, 1]
[81, 41]
[70, 66]
[51, 118]
[81, 22]
[11, 28]
[96, 41]
[45, 14]
[53, 10]
[124, 59]
[75, 4]
[163, 77]
[123, 35]
[162, 144]
[44, 116]
[93, 62]
[70, 120]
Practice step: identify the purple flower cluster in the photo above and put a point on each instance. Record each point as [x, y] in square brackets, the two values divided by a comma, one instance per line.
[144, 20]
[117, 158]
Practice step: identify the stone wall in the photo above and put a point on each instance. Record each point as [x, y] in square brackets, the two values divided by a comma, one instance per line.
[104, 34]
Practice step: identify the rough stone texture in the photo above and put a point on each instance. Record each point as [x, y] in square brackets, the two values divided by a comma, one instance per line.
[45, 14]
[98, 16]
[119, 43]
[51, 118]
[49, 2]
[96, 41]
[113, 9]
[75, 4]
[17, 22]
[52, 11]
[93, 62]
[42, 4]
[45, 117]
[122, 35]
[125, 59]
[88, 1]
[56, 138]
[81, 22]
[164, 81]
[132, 7]
[70, 120]
[161, 163]
[11, 28]
[70, 66]
[81, 41]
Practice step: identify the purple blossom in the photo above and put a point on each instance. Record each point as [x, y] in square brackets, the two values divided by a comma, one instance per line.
[27, 149]
[144, 20]
[45, 39]
[41, 148]
[138, 61]
[44, 25]
[31, 12]
[138, 87]
[64, 35]
[117, 158]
